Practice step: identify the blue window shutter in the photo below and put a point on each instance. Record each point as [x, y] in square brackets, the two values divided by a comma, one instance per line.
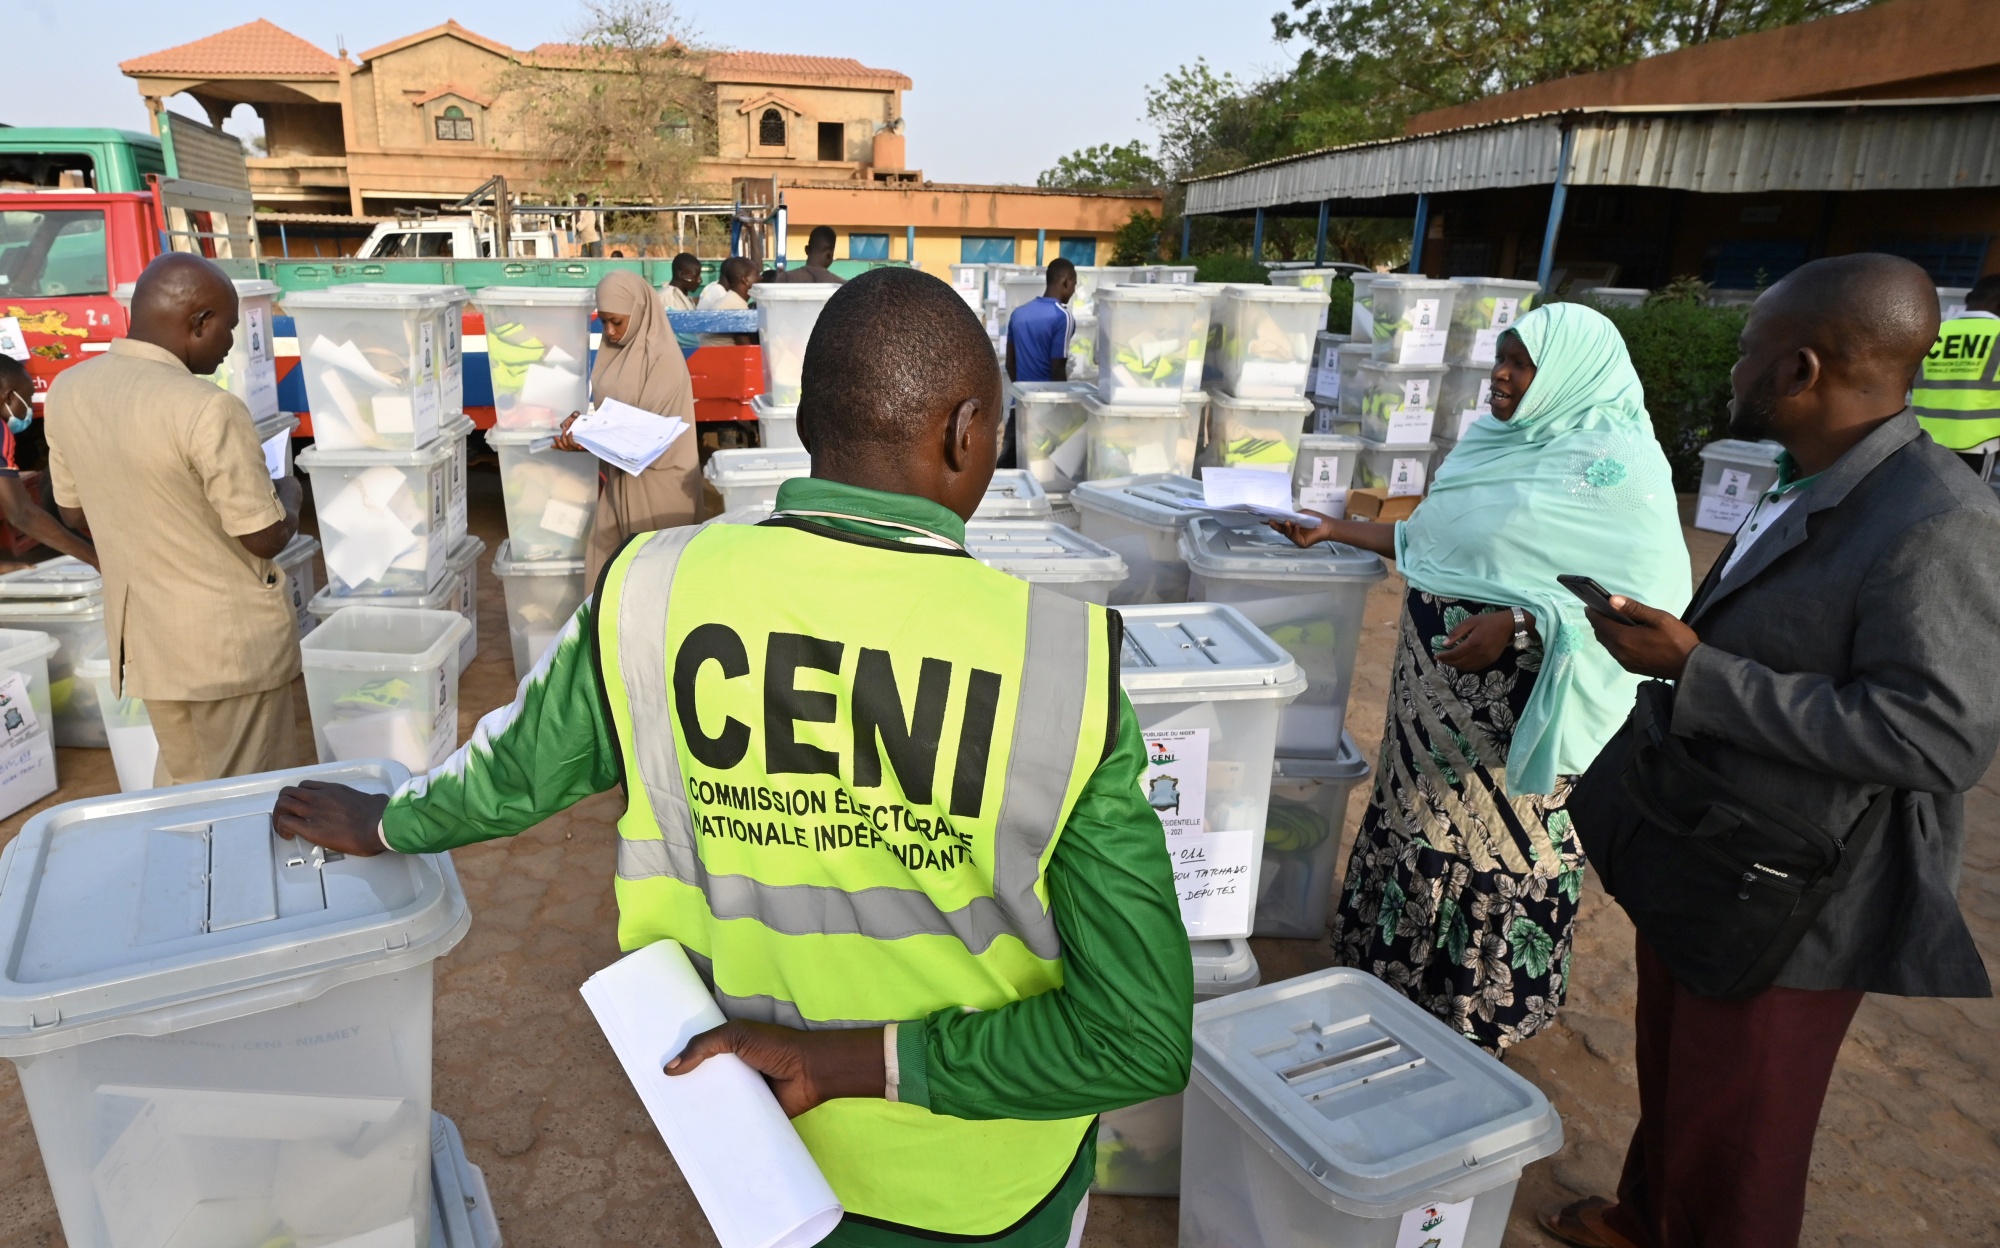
[977, 250]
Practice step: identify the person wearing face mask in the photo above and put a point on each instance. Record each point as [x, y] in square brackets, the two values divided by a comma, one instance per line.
[165, 472]
[640, 363]
[27, 516]
[1463, 884]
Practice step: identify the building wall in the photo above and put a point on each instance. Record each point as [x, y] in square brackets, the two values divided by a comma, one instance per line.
[860, 113]
[386, 119]
[945, 215]
[302, 129]
[939, 249]
[1901, 49]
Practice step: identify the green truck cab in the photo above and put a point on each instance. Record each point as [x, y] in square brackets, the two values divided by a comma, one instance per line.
[75, 158]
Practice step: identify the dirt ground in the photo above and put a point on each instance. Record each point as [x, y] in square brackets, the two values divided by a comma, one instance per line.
[1908, 1150]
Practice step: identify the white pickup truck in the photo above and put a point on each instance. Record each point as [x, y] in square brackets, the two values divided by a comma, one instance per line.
[451, 238]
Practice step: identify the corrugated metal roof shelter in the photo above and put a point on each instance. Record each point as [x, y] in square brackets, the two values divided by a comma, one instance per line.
[1836, 147]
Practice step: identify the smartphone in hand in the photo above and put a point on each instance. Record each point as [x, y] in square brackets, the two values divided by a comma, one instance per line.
[1594, 596]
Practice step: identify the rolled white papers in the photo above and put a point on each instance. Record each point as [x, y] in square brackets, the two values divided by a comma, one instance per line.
[752, 1174]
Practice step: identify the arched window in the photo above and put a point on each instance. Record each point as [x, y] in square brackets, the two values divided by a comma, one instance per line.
[771, 129]
[453, 126]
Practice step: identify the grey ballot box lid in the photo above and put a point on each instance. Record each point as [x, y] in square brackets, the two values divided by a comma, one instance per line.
[1369, 1097]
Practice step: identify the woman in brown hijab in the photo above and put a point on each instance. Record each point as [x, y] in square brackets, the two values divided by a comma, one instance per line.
[639, 362]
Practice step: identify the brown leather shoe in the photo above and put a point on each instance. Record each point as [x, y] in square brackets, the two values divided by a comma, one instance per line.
[1581, 1225]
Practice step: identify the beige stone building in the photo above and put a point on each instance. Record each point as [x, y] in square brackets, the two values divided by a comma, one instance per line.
[421, 121]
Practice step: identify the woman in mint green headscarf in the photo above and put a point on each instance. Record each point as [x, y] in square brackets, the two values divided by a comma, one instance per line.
[1462, 887]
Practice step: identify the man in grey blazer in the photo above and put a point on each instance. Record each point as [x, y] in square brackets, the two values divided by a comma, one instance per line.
[1843, 645]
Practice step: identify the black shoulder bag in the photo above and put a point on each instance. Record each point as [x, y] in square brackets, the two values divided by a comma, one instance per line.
[1721, 884]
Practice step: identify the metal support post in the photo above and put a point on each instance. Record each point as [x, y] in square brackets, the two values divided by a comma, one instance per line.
[1417, 232]
[910, 245]
[1187, 234]
[1558, 196]
[1041, 241]
[1319, 243]
[1257, 239]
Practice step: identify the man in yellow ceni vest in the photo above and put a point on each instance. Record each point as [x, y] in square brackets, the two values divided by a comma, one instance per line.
[887, 798]
[1957, 395]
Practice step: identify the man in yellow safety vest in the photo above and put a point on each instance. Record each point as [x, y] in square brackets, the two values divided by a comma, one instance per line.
[886, 797]
[1957, 395]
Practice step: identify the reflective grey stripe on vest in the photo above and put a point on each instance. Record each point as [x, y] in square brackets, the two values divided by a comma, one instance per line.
[642, 660]
[1048, 723]
[763, 1009]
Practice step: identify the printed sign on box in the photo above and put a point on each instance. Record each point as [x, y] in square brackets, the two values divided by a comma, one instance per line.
[1435, 1225]
[1321, 491]
[1213, 875]
[1177, 777]
[1725, 508]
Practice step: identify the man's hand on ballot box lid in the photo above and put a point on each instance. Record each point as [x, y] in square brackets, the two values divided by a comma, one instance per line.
[331, 815]
[804, 1068]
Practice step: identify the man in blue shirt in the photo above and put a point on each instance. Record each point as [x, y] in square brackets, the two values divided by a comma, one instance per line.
[1038, 331]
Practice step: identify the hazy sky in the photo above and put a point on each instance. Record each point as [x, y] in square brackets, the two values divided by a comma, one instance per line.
[1001, 90]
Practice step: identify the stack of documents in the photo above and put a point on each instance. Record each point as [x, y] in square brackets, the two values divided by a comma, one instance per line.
[625, 436]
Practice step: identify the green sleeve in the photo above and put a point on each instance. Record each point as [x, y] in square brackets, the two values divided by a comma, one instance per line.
[1120, 1028]
[548, 749]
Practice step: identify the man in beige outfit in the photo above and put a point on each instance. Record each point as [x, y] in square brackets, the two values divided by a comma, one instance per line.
[165, 471]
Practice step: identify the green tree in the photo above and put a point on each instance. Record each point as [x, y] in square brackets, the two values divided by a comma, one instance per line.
[1372, 64]
[624, 113]
[1105, 166]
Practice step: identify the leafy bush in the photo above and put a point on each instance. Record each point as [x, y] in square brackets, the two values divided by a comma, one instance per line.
[1683, 352]
[1223, 268]
[1138, 240]
[1340, 312]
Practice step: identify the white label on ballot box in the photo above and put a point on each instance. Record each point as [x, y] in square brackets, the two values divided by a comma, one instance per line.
[1213, 872]
[1410, 424]
[1321, 491]
[1326, 378]
[427, 349]
[1406, 477]
[1725, 508]
[444, 721]
[17, 713]
[1435, 1225]
[12, 341]
[260, 390]
[256, 334]
[1177, 777]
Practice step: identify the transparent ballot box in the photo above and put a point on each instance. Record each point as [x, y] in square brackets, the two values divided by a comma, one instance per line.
[374, 364]
[538, 350]
[224, 1036]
